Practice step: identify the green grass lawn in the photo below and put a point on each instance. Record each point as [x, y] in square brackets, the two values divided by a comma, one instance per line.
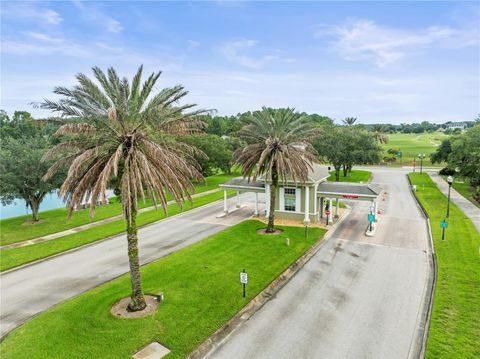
[202, 292]
[465, 190]
[413, 144]
[454, 328]
[17, 256]
[14, 230]
[353, 176]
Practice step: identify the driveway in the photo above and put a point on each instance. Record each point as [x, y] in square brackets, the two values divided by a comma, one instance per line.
[358, 297]
[30, 290]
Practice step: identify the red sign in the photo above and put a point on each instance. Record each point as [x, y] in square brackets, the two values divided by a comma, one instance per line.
[349, 196]
[327, 212]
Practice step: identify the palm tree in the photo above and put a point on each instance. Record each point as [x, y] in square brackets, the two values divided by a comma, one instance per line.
[349, 121]
[278, 147]
[379, 133]
[124, 131]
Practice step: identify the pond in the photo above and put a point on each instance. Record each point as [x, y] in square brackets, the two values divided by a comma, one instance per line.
[19, 207]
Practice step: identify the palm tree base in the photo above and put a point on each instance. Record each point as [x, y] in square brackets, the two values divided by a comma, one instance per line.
[137, 304]
[266, 232]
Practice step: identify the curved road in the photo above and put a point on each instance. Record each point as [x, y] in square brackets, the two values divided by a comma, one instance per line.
[30, 290]
[358, 297]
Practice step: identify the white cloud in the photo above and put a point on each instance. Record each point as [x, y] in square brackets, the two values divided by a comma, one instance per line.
[366, 40]
[246, 53]
[93, 14]
[29, 11]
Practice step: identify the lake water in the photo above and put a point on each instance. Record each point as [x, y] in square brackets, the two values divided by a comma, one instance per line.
[19, 207]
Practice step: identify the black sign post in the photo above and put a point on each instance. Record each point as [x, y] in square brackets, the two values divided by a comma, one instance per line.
[244, 281]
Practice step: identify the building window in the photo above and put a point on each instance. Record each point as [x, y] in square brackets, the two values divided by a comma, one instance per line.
[290, 199]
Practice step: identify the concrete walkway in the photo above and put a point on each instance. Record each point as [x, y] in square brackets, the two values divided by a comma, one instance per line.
[88, 225]
[470, 210]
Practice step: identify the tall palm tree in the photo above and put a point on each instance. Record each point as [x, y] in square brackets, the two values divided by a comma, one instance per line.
[278, 147]
[349, 121]
[379, 133]
[122, 130]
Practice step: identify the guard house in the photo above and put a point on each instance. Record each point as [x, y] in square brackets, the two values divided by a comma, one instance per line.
[304, 201]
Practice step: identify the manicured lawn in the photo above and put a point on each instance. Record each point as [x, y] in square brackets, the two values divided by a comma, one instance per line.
[413, 144]
[353, 176]
[14, 230]
[202, 291]
[465, 190]
[17, 256]
[454, 328]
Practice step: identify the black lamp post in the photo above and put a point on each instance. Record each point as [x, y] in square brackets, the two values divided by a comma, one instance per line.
[421, 156]
[450, 182]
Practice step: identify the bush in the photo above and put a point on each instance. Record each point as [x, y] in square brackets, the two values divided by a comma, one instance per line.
[447, 171]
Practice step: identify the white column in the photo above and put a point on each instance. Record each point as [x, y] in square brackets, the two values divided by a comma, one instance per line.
[306, 220]
[375, 205]
[337, 206]
[256, 204]
[330, 216]
[225, 204]
[267, 200]
[321, 207]
[238, 199]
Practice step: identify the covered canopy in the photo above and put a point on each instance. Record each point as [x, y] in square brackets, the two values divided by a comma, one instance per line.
[367, 191]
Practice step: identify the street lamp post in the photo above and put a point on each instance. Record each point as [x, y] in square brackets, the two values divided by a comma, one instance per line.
[450, 182]
[421, 156]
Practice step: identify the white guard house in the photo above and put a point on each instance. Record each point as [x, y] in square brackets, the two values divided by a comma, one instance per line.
[307, 202]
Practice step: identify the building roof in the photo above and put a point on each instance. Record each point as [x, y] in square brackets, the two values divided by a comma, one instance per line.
[318, 173]
[243, 183]
[350, 189]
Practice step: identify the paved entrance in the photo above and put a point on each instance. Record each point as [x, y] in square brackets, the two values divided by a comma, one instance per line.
[358, 297]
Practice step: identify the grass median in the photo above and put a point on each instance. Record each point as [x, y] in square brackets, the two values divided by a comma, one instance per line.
[14, 257]
[16, 230]
[352, 176]
[201, 288]
[454, 329]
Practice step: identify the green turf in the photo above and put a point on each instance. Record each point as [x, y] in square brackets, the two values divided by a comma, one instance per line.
[412, 144]
[14, 230]
[17, 256]
[202, 291]
[454, 328]
[464, 188]
[352, 176]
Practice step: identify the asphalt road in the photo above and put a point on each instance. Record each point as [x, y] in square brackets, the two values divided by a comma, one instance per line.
[358, 297]
[30, 290]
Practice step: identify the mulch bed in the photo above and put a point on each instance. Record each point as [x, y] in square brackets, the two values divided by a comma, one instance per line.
[119, 309]
[264, 232]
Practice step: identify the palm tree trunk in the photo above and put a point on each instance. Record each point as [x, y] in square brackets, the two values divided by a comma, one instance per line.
[138, 301]
[345, 170]
[273, 195]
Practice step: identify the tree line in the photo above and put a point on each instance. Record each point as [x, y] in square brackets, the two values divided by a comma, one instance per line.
[461, 152]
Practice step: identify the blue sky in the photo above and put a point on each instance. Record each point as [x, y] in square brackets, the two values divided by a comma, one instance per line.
[377, 61]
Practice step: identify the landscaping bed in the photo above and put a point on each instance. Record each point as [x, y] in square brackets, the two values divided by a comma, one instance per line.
[201, 288]
[454, 329]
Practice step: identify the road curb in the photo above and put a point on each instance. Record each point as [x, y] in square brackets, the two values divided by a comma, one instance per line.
[419, 342]
[224, 332]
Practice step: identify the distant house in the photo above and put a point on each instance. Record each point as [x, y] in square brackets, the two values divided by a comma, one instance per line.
[455, 125]
[305, 202]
